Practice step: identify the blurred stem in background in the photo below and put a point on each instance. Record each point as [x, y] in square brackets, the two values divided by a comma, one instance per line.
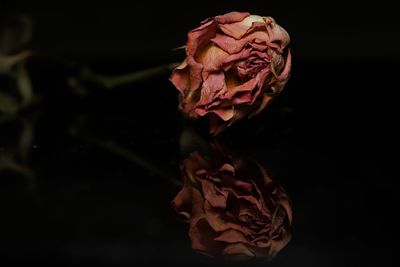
[17, 93]
[15, 158]
[118, 80]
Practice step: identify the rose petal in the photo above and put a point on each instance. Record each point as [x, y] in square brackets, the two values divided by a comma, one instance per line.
[229, 181]
[187, 75]
[200, 37]
[197, 201]
[202, 237]
[225, 114]
[285, 204]
[279, 38]
[180, 77]
[220, 221]
[238, 249]
[228, 61]
[195, 162]
[233, 46]
[231, 17]
[227, 168]
[190, 96]
[232, 236]
[280, 81]
[244, 87]
[238, 29]
[211, 57]
[183, 201]
[211, 87]
[284, 75]
[195, 73]
[216, 200]
[228, 43]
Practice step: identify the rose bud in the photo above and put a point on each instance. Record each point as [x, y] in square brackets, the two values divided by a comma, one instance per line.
[235, 65]
[235, 210]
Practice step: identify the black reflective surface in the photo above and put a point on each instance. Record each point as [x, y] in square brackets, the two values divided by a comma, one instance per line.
[100, 172]
[88, 175]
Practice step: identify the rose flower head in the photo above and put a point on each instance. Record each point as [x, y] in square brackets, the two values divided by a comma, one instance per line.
[235, 210]
[235, 65]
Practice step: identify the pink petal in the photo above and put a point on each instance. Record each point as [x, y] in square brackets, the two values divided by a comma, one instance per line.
[228, 168]
[183, 201]
[233, 58]
[238, 249]
[238, 29]
[211, 57]
[190, 95]
[232, 236]
[195, 73]
[284, 75]
[232, 45]
[195, 162]
[224, 113]
[214, 84]
[215, 199]
[278, 37]
[231, 17]
[202, 237]
[180, 77]
[244, 87]
[200, 37]
[197, 211]
[222, 221]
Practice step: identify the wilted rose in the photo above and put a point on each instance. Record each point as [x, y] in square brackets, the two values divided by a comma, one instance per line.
[236, 63]
[234, 208]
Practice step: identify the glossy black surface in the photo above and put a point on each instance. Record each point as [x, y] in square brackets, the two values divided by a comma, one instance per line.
[88, 176]
[326, 139]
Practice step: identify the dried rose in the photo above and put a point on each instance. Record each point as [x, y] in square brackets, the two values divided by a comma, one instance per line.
[236, 64]
[234, 208]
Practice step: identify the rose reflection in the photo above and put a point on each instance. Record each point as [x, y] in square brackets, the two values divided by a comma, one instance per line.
[234, 208]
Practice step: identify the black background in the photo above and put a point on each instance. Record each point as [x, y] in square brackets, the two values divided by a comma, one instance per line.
[146, 30]
[330, 138]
